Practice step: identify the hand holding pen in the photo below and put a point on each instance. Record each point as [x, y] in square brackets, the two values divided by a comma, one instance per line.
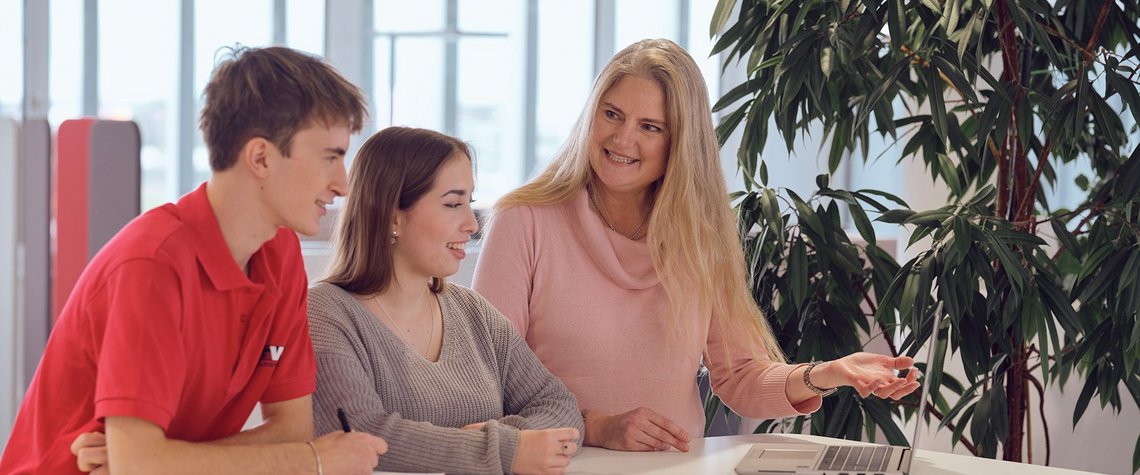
[347, 452]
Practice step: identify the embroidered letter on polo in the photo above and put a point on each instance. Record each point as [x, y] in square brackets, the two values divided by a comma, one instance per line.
[270, 355]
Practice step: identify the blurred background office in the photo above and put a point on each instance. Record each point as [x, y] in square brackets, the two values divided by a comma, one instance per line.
[509, 76]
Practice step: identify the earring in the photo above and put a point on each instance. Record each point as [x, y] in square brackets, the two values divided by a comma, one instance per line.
[392, 241]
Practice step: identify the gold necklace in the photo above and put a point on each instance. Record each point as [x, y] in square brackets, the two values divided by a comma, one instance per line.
[602, 214]
[400, 330]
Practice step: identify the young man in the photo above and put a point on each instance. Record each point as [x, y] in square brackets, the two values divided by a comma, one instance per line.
[195, 311]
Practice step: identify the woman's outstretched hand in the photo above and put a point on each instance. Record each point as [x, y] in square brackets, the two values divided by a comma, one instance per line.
[869, 373]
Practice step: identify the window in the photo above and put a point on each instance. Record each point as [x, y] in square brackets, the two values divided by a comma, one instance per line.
[12, 57]
[462, 67]
[65, 62]
[565, 73]
[148, 96]
[508, 76]
[304, 26]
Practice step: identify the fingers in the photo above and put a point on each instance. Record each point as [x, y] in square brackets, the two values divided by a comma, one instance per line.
[564, 433]
[378, 444]
[665, 431]
[902, 392]
[903, 362]
[568, 448]
[90, 451]
[90, 439]
[91, 458]
[886, 390]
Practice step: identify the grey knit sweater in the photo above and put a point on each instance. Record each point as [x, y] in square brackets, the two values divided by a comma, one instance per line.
[485, 372]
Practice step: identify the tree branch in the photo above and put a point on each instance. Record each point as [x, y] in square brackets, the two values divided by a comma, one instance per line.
[1041, 410]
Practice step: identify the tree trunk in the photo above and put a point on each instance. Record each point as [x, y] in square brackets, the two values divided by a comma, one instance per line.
[1015, 403]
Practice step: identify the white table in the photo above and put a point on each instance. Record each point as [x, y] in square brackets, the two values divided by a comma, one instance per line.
[719, 455]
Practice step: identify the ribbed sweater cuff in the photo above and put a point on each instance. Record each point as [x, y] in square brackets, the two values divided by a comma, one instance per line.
[508, 444]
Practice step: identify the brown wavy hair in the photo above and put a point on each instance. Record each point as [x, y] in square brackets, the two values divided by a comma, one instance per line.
[392, 170]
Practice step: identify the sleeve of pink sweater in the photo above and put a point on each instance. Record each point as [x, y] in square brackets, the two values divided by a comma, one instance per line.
[505, 270]
[748, 381]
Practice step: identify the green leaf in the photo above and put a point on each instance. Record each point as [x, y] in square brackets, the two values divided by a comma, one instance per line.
[963, 423]
[729, 123]
[909, 293]
[895, 216]
[950, 174]
[807, 216]
[772, 213]
[934, 373]
[931, 217]
[1129, 272]
[956, 77]
[1054, 339]
[984, 197]
[1060, 305]
[885, 84]
[1019, 238]
[745, 89]
[1127, 91]
[821, 181]
[895, 28]
[1008, 262]
[798, 272]
[825, 61]
[1136, 456]
[937, 104]
[840, 138]
[963, 238]
[712, 403]
[862, 223]
[990, 114]
[878, 412]
[1068, 241]
[999, 411]
[1086, 395]
[981, 423]
[884, 194]
[721, 14]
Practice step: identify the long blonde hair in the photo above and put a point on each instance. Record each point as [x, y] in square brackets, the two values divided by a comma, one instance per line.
[692, 236]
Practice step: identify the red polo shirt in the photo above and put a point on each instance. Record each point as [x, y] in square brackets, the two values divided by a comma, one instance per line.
[164, 326]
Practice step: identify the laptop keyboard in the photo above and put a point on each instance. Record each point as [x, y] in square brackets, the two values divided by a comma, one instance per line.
[856, 458]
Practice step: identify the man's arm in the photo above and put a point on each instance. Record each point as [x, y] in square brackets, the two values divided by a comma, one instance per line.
[285, 421]
[139, 446]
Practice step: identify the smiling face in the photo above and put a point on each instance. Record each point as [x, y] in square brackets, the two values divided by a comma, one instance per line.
[308, 180]
[629, 137]
[433, 232]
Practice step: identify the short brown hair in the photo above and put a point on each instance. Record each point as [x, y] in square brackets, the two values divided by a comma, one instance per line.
[393, 170]
[272, 93]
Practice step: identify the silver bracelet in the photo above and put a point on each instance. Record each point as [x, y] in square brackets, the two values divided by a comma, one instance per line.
[316, 455]
[812, 387]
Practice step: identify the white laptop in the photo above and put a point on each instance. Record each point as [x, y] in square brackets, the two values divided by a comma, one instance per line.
[823, 459]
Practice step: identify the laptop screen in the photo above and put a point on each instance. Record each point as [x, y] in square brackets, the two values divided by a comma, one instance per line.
[937, 323]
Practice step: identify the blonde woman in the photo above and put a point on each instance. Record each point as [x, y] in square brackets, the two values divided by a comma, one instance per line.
[621, 266]
[429, 366]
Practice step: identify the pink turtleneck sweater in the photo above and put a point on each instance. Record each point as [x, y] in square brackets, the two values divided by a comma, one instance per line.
[590, 305]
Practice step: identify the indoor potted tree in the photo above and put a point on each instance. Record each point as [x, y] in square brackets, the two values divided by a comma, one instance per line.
[997, 96]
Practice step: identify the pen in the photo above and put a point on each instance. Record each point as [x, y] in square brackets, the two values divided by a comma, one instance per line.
[343, 420]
